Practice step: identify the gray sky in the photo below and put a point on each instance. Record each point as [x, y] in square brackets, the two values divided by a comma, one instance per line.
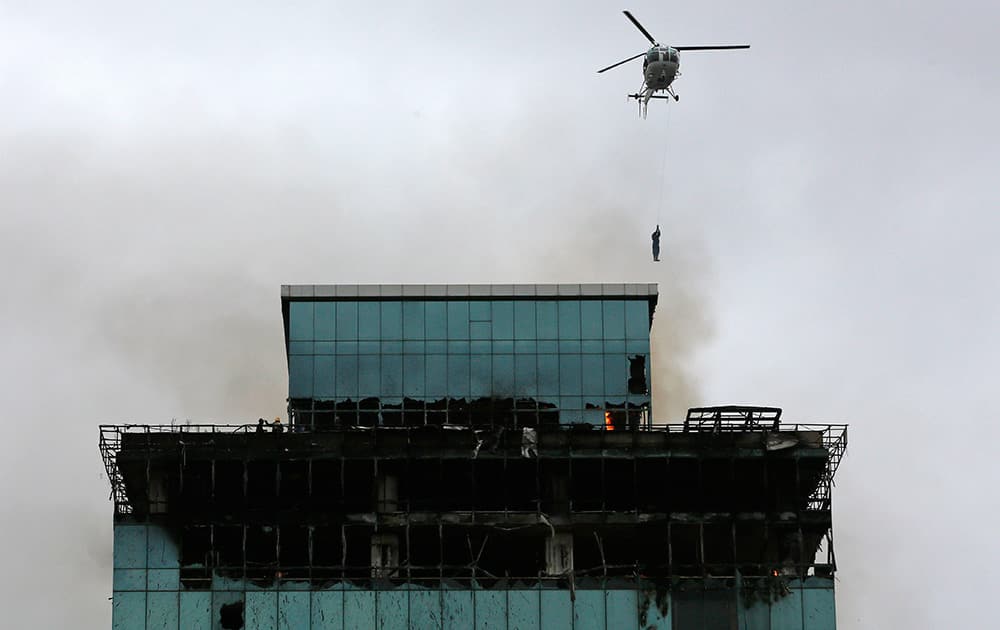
[829, 217]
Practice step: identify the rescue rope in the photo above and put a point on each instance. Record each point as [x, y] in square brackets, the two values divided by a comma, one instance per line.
[663, 165]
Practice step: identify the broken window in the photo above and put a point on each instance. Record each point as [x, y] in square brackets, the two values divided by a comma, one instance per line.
[261, 553]
[637, 375]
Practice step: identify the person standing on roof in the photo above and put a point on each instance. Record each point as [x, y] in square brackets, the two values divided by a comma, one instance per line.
[656, 244]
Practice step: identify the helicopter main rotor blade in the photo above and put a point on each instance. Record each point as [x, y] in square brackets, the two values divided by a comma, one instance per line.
[712, 47]
[640, 27]
[615, 65]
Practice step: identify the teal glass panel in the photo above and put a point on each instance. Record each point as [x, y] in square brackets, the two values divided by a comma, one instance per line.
[591, 319]
[570, 346]
[196, 610]
[128, 611]
[480, 330]
[526, 346]
[391, 320]
[570, 382]
[414, 347]
[325, 320]
[593, 416]
[458, 375]
[786, 612]
[819, 607]
[621, 607]
[347, 376]
[300, 376]
[425, 609]
[392, 375]
[347, 321]
[369, 324]
[437, 376]
[413, 320]
[368, 375]
[392, 347]
[592, 372]
[481, 375]
[325, 347]
[164, 579]
[637, 346]
[130, 547]
[491, 610]
[436, 347]
[556, 609]
[293, 610]
[328, 610]
[569, 319]
[458, 320]
[570, 409]
[161, 550]
[347, 347]
[614, 319]
[456, 609]
[547, 313]
[548, 374]
[161, 610]
[359, 609]
[636, 319]
[616, 372]
[480, 347]
[129, 580]
[479, 311]
[503, 374]
[588, 610]
[413, 375]
[614, 346]
[436, 316]
[300, 347]
[458, 347]
[391, 609]
[592, 346]
[368, 347]
[300, 321]
[503, 347]
[523, 609]
[503, 319]
[525, 326]
[549, 347]
[324, 376]
[525, 375]
[261, 610]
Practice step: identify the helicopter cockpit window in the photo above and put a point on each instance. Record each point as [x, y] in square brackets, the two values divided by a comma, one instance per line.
[673, 56]
[653, 55]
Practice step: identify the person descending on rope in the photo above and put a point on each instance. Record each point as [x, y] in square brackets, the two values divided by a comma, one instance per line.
[656, 244]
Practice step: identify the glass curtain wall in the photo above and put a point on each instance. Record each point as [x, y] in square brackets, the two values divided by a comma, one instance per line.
[413, 362]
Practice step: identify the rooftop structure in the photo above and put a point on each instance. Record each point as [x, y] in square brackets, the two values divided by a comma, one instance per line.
[439, 496]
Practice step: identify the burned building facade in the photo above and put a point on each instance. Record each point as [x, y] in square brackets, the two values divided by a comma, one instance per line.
[474, 456]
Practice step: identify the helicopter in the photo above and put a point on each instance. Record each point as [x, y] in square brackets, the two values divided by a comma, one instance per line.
[660, 66]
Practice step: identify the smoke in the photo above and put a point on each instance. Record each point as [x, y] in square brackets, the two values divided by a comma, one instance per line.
[613, 245]
[146, 273]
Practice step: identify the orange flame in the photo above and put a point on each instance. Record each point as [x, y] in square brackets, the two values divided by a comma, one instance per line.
[609, 424]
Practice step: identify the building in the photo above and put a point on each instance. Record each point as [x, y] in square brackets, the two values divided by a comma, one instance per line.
[474, 456]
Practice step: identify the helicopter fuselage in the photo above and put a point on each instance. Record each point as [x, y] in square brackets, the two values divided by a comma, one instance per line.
[660, 67]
